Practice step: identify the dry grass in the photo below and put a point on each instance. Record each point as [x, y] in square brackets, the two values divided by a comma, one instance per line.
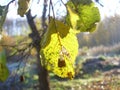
[105, 50]
[101, 83]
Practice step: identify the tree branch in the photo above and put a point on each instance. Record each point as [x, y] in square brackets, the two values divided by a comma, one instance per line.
[35, 34]
[36, 38]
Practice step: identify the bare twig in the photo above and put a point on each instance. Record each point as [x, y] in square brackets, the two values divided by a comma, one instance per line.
[44, 25]
[10, 2]
[63, 3]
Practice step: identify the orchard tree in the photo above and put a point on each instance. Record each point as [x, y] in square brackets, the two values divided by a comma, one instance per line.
[57, 44]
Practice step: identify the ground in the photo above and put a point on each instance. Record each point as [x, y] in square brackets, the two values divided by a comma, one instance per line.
[96, 74]
[101, 72]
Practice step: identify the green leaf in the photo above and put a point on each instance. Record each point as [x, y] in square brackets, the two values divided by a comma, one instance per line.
[2, 56]
[4, 72]
[88, 15]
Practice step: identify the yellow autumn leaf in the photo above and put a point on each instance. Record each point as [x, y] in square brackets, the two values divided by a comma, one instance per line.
[59, 49]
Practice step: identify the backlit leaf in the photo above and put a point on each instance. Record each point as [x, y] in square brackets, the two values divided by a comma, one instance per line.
[88, 15]
[59, 49]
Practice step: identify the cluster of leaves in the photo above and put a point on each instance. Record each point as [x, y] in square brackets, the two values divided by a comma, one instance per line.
[59, 45]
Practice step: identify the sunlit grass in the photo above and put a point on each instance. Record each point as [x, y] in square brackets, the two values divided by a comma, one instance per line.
[99, 83]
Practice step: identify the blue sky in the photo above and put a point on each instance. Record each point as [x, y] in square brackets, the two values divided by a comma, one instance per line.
[110, 8]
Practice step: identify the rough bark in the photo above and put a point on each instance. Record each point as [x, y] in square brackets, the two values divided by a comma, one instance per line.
[36, 38]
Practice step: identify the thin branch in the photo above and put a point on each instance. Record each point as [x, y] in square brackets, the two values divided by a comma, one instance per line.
[10, 2]
[35, 36]
[63, 3]
[44, 25]
[52, 8]
[49, 12]
[20, 60]
[97, 1]
[31, 22]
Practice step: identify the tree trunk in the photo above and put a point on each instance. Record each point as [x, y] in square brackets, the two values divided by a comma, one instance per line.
[36, 38]
[43, 75]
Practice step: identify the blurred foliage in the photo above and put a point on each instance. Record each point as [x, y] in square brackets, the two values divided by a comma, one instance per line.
[1, 9]
[4, 72]
[3, 14]
[7, 40]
